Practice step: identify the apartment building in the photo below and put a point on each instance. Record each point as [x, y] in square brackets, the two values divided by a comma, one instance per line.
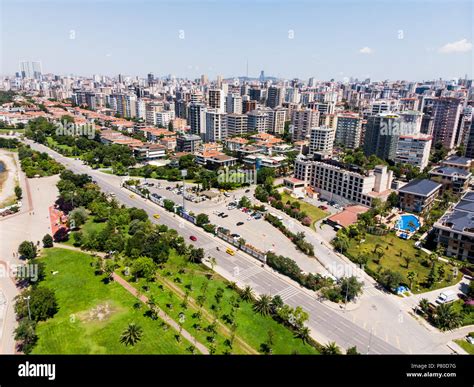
[257, 121]
[302, 120]
[188, 143]
[381, 135]
[237, 124]
[321, 140]
[333, 182]
[454, 179]
[455, 230]
[418, 195]
[414, 150]
[216, 129]
[348, 130]
[446, 114]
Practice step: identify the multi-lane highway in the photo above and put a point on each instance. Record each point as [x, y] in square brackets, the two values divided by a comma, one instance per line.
[326, 323]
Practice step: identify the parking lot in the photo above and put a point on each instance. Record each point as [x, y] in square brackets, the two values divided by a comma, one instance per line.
[253, 229]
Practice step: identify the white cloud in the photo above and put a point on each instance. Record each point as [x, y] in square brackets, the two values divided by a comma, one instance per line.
[460, 46]
[366, 50]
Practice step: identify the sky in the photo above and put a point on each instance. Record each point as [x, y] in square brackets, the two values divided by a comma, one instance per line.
[381, 39]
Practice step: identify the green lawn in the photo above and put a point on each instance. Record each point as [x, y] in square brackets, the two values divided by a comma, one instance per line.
[313, 212]
[77, 329]
[253, 328]
[55, 145]
[88, 227]
[392, 247]
[469, 348]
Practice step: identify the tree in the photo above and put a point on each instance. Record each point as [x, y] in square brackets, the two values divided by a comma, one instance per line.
[352, 351]
[350, 287]
[38, 301]
[244, 202]
[143, 267]
[424, 305]
[303, 334]
[411, 276]
[391, 279]
[27, 250]
[407, 259]
[77, 217]
[18, 192]
[247, 294]
[277, 303]
[47, 241]
[341, 243]
[393, 200]
[196, 255]
[201, 220]
[131, 335]
[446, 318]
[25, 333]
[331, 349]
[263, 305]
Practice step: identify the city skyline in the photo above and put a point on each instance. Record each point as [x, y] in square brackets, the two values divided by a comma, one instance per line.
[360, 39]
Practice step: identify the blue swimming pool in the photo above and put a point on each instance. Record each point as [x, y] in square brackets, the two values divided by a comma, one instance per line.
[408, 223]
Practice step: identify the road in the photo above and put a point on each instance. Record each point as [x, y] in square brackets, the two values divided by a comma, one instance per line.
[367, 327]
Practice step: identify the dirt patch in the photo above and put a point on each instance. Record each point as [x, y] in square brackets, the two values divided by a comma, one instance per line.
[99, 313]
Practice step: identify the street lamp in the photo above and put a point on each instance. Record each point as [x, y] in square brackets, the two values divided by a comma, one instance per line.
[28, 303]
[184, 172]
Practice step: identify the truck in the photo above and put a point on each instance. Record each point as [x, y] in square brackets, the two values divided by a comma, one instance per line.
[446, 296]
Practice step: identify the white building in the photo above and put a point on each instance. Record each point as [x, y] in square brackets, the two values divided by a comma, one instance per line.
[216, 129]
[197, 119]
[414, 150]
[321, 140]
[236, 124]
[234, 104]
[277, 119]
[334, 183]
[258, 121]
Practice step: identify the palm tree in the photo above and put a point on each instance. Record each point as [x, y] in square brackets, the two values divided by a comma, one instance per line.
[277, 303]
[247, 294]
[411, 277]
[424, 305]
[132, 335]
[303, 334]
[446, 318]
[263, 305]
[331, 349]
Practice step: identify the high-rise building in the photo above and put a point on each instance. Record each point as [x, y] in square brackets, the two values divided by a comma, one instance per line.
[150, 79]
[234, 104]
[470, 142]
[321, 140]
[236, 124]
[348, 130]
[216, 129]
[446, 111]
[217, 100]
[30, 70]
[302, 120]
[414, 150]
[257, 121]
[197, 119]
[275, 96]
[381, 135]
[262, 76]
[277, 119]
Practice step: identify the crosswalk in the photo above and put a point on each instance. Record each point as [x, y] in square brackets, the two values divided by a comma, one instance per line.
[247, 273]
[288, 292]
[370, 290]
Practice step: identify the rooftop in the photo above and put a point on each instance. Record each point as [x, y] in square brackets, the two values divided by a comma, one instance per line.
[450, 171]
[422, 187]
[458, 160]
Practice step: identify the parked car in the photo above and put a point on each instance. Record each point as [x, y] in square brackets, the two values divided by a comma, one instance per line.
[235, 236]
[224, 216]
[193, 238]
[239, 223]
[446, 296]
[247, 191]
[324, 208]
